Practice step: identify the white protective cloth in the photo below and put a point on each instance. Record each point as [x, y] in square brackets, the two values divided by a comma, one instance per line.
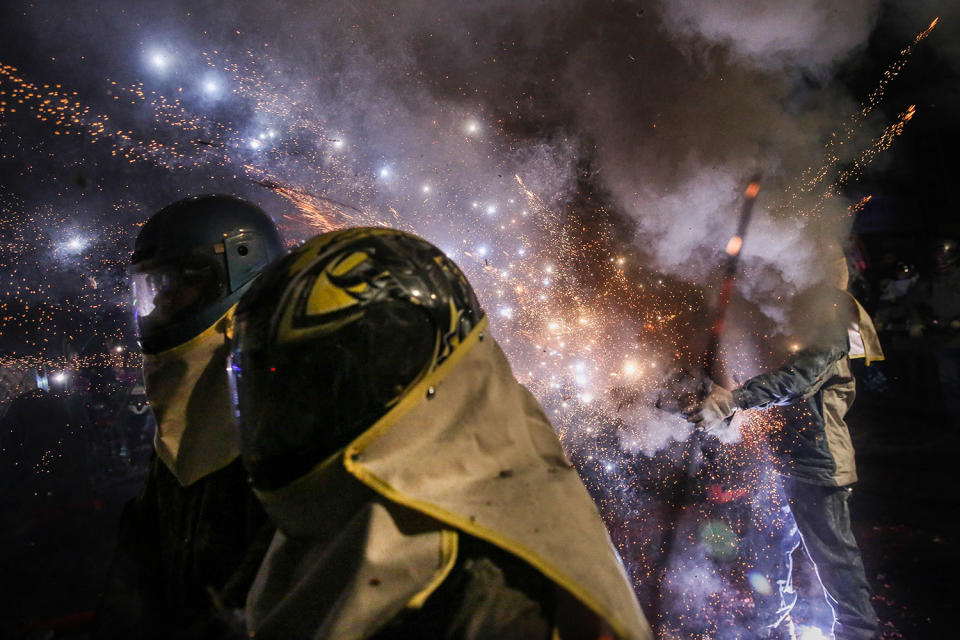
[468, 449]
[188, 391]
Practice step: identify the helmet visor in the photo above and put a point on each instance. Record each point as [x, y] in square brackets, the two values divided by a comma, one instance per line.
[166, 293]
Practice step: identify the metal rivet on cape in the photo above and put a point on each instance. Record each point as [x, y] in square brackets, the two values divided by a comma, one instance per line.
[431, 391]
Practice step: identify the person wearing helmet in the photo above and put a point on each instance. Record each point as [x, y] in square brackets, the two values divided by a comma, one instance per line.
[814, 456]
[935, 317]
[191, 541]
[418, 489]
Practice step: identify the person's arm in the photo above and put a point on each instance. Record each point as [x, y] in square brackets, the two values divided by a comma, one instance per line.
[800, 378]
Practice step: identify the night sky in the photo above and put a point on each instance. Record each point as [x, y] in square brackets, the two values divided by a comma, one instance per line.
[582, 161]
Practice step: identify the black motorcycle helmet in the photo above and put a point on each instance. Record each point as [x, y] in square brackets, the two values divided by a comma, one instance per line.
[192, 261]
[334, 335]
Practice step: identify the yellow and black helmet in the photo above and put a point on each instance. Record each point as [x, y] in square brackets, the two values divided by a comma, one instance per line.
[332, 336]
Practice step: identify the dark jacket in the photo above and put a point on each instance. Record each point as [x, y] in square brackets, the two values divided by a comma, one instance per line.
[186, 557]
[815, 388]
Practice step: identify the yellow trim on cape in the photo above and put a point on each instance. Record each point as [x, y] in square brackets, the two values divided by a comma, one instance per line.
[225, 329]
[449, 547]
[352, 460]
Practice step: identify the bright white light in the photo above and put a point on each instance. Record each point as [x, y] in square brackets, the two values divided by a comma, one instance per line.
[385, 172]
[549, 268]
[506, 312]
[472, 127]
[271, 133]
[629, 368]
[76, 244]
[425, 188]
[211, 86]
[338, 143]
[415, 292]
[482, 250]
[60, 377]
[587, 398]
[553, 326]
[255, 144]
[475, 204]
[491, 209]
[118, 349]
[545, 282]
[811, 633]
[522, 251]
[159, 61]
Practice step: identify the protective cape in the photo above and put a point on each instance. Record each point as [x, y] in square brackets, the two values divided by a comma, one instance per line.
[374, 529]
[188, 391]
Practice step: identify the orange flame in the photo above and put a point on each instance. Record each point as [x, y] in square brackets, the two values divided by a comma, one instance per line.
[735, 244]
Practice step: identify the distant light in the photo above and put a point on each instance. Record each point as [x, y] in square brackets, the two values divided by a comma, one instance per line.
[255, 144]
[271, 133]
[76, 244]
[553, 326]
[211, 86]
[506, 312]
[118, 349]
[472, 127]
[629, 368]
[425, 188]
[159, 61]
[385, 172]
[60, 377]
[587, 398]
[338, 143]
[415, 292]
[482, 250]
[491, 209]
[522, 251]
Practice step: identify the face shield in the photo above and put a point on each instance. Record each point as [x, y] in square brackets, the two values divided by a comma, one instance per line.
[165, 293]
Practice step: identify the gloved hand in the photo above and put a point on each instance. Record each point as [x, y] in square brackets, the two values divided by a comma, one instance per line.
[711, 413]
